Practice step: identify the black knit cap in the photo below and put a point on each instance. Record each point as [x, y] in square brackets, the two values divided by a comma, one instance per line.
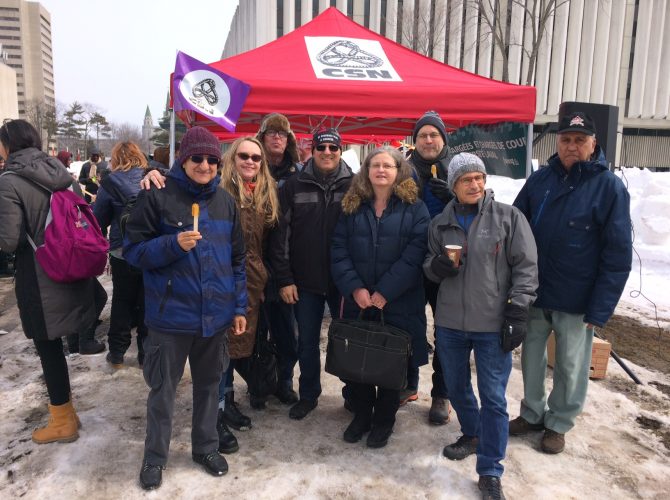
[430, 118]
[329, 136]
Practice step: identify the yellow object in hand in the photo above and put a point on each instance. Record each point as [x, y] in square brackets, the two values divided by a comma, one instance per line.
[433, 170]
[195, 212]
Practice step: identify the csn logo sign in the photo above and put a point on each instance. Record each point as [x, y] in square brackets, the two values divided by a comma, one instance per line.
[337, 58]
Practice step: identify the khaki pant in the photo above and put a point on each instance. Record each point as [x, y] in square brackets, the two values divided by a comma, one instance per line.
[571, 370]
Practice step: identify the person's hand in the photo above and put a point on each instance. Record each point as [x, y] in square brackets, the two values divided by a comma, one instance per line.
[153, 177]
[440, 189]
[443, 267]
[378, 300]
[188, 239]
[515, 327]
[289, 294]
[239, 325]
[362, 298]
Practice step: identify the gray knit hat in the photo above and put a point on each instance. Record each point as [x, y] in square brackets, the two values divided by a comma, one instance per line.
[464, 163]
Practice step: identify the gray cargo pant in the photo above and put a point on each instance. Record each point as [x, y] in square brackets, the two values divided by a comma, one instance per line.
[165, 358]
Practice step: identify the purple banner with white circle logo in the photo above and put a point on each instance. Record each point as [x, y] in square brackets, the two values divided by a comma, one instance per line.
[200, 88]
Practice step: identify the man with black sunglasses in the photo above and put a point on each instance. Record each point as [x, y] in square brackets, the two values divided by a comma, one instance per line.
[300, 254]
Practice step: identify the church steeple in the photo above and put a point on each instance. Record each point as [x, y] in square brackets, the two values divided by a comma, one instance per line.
[148, 126]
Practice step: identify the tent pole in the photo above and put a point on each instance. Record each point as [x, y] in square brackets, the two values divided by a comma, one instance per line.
[529, 151]
[172, 134]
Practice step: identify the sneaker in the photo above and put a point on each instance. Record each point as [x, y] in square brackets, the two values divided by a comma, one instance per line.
[407, 396]
[302, 408]
[286, 395]
[439, 411]
[115, 359]
[358, 426]
[520, 426]
[491, 488]
[233, 417]
[552, 442]
[151, 476]
[213, 463]
[463, 447]
[379, 436]
[227, 441]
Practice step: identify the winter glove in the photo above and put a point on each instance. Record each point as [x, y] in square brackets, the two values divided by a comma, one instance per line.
[440, 189]
[514, 327]
[443, 267]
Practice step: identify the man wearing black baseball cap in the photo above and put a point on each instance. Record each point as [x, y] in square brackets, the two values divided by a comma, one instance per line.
[579, 212]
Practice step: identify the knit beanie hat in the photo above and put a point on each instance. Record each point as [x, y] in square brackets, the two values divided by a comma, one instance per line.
[430, 118]
[329, 136]
[64, 156]
[464, 163]
[198, 141]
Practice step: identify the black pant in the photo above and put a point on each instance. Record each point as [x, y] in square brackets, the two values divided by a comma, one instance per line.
[164, 363]
[55, 371]
[100, 299]
[378, 403]
[282, 329]
[439, 389]
[127, 306]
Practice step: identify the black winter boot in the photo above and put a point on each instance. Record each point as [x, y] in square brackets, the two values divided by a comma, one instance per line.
[232, 415]
[88, 344]
[227, 441]
[73, 343]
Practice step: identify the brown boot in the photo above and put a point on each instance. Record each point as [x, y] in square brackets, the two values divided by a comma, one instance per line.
[520, 426]
[552, 442]
[439, 411]
[62, 425]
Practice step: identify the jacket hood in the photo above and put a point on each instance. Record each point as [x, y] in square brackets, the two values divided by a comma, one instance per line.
[39, 167]
[406, 191]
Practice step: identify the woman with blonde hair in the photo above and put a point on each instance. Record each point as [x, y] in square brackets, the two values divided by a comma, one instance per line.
[118, 189]
[246, 176]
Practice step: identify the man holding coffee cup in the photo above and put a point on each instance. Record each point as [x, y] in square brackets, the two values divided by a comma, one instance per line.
[486, 288]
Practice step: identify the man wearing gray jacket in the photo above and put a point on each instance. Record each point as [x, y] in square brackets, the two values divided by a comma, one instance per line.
[482, 305]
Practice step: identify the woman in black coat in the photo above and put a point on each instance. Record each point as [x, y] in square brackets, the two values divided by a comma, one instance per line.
[377, 253]
[49, 310]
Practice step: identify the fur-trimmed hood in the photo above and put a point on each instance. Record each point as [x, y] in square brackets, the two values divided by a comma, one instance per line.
[406, 191]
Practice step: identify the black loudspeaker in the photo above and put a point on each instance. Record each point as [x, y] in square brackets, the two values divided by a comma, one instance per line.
[605, 118]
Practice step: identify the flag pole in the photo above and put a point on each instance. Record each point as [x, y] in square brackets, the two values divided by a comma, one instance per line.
[172, 134]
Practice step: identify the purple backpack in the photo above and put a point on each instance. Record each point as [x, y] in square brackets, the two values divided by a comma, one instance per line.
[74, 247]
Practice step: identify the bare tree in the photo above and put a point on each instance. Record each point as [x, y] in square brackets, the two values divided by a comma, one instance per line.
[41, 115]
[425, 30]
[126, 132]
[496, 17]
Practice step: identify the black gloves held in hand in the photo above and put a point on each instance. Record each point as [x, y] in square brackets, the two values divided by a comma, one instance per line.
[440, 189]
[443, 267]
[514, 327]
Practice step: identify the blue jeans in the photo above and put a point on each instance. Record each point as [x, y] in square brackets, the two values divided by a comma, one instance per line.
[491, 422]
[309, 316]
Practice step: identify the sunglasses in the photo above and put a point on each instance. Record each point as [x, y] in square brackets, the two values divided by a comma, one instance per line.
[246, 156]
[331, 147]
[211, 160]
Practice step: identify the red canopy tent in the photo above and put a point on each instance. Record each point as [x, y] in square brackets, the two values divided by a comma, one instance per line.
[369, 87]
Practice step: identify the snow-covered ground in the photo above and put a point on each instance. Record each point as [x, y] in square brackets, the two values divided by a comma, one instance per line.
[608, 454]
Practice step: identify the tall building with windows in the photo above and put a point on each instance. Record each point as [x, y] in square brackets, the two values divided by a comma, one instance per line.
[9, 103]
[613, 52]
[25, 35]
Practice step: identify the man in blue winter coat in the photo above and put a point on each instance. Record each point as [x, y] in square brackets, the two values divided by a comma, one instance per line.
[579, 212]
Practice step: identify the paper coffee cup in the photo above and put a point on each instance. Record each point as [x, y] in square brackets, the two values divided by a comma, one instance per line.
[454, 253]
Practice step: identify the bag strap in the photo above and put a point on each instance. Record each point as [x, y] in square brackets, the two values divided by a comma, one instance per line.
[381, 313]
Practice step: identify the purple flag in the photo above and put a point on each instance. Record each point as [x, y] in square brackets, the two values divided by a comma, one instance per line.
[199, 87]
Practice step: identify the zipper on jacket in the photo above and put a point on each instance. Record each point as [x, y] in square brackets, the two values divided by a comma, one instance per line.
[168, 293]
[536, 219]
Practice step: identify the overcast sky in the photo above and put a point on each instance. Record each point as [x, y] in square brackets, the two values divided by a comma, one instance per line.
[118, 54]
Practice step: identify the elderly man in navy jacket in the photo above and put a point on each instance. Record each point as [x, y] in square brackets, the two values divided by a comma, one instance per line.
[580, 215]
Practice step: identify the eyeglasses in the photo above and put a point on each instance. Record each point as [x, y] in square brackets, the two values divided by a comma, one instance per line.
[211, 160]
[331, 147]
[382, 166]
[277, 133]
[246, 156]
[466, 181]
[432, 136]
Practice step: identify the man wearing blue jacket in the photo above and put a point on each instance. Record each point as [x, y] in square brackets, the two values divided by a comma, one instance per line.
[579, 212]
[195, 293]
